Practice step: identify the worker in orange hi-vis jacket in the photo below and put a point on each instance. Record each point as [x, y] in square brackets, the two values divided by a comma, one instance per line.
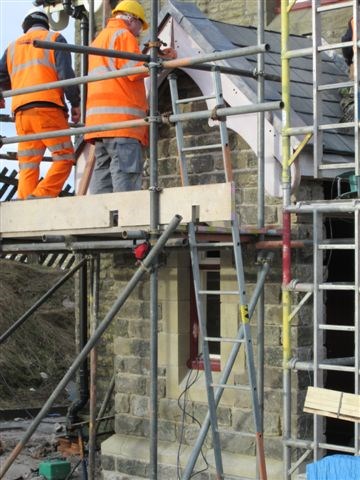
[118, 153]
[21, 66]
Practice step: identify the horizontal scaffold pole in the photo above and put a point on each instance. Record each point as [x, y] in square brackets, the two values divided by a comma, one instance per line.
[80, 245]
[103, 52]
[220, 112]
[93, 340]
[145, 58]
[124, 72]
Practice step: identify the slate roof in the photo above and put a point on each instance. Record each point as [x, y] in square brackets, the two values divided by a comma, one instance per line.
[214, 36]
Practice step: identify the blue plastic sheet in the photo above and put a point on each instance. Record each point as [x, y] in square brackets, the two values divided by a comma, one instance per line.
[334, 467]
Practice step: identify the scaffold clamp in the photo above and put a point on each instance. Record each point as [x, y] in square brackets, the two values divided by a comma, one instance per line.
[214, 115]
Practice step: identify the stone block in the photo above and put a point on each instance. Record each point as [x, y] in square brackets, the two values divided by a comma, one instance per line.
[176, 316]
[122, 403]
[169, 410]
[135, 365]
[234, 443]
[130, 383]
[139, 406]
[139, 328]
[131, 347]
[273, 356]
[130, 425]
[107, 462]
[131, 466]
[273, 315]
[174, 350]
[174, 284]
[223, 414]
[202, 163]
[243, 421]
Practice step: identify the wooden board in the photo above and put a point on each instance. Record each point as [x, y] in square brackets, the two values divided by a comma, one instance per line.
[332, 403]
[85, 163]
[94, 213]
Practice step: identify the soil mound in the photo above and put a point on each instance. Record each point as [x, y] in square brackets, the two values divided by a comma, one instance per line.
[36, 356]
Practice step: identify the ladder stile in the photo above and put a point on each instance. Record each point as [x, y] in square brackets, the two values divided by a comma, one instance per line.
[205, 350]
[214, 389]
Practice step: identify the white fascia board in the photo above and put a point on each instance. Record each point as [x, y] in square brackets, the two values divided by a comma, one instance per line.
[245, 125]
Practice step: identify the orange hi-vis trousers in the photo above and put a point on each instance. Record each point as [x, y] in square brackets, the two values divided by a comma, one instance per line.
[30, 154]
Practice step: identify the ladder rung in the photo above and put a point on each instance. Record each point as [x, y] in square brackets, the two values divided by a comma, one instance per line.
[327, 8]
[237, 433]
[232, 387]
[201, 147]
[224, 339]
[336, 368]
[336, 286]
[214, 244]
[335, 166]
[195, 99]
[336, 246]
[219, 292]
[340, 328]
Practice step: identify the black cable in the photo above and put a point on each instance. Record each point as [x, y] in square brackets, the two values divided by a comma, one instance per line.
[189, 384]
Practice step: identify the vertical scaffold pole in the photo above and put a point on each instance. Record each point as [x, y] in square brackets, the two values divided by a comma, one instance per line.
[260, 204]
[286, 252]
[154, 222]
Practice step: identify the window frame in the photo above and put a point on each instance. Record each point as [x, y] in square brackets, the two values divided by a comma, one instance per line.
[206, 265]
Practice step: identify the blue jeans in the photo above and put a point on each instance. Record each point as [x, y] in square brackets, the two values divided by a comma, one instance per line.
[118, 165]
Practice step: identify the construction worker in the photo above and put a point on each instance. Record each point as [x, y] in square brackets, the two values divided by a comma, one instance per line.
[21, 66]
[119, 160]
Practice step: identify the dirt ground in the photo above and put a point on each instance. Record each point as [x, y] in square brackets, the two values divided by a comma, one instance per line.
[32, 362]
[36, 356]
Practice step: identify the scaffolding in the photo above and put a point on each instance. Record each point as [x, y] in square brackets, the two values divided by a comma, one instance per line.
[92, 246]
[318, 290]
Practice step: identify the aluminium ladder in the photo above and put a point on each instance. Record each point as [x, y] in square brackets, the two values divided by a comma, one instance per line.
[200, 293]
[320, 289]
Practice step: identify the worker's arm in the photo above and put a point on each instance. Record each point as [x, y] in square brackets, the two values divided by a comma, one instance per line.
[65, 71]
[127, 42]
[5, 82]
[353, 31]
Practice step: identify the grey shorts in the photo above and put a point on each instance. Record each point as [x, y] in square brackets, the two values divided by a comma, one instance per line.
[118, 165]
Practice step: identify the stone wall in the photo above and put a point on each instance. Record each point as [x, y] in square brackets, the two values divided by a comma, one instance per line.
[131, 331]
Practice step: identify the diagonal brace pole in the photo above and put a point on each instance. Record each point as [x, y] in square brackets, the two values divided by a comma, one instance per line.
[39, 302]
[93, 340]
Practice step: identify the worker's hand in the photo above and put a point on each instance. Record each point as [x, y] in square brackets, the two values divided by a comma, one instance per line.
[75, 114]
[168, 53]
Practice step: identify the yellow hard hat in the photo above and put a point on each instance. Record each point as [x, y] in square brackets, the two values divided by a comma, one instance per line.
[134, 8]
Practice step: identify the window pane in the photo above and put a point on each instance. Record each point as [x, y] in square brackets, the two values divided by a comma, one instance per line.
[213, 310]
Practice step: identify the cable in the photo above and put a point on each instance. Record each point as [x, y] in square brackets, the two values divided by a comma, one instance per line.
[188, 385]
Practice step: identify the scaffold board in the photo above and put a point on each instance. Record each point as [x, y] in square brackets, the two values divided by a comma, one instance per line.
[113, 212]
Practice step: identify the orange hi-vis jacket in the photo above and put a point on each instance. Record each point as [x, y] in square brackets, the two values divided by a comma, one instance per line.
[118, 99]
[29, 66]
